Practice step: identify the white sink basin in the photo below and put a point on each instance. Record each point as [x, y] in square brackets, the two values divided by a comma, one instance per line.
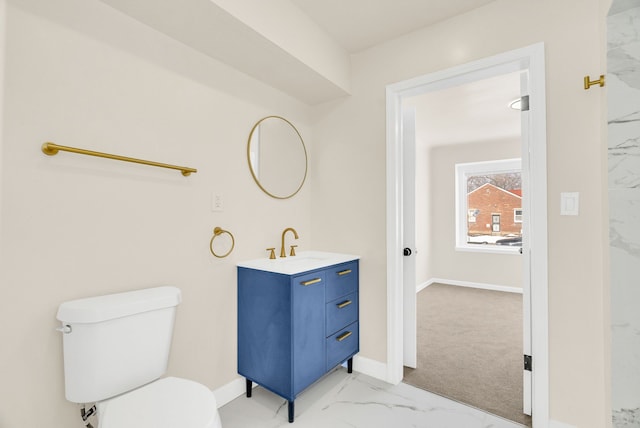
[304, 261]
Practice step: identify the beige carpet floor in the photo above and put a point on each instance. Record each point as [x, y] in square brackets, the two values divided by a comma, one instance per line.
[470, 348]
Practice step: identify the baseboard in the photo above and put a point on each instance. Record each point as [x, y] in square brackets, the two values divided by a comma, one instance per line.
[237, 387]
[493, 287]
[370, 367]
[424, 285]
[230, 391]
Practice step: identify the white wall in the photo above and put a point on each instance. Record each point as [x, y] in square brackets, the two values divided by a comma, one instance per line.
[350, 147]
[79, 73]
[443, 260]
[466, 123]
[3, 27]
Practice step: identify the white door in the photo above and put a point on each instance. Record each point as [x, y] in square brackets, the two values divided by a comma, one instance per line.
[409, 237]
[526, 234]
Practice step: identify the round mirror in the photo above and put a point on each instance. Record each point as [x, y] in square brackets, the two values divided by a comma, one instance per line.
[277, 157]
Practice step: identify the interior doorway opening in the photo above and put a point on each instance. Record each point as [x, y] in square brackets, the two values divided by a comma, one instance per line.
[463, 152]
[531, 61]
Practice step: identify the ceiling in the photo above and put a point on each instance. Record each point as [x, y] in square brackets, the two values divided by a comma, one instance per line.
[301, 47]
[223, 29]
[360, 24]
[482, 106]
[473, 112]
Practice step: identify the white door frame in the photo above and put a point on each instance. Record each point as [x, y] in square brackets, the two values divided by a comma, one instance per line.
[530, 58]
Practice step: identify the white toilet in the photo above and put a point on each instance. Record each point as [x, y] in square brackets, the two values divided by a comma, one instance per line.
[116, 347]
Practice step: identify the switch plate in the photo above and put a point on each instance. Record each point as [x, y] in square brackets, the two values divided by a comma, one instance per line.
[569, 203]
[216, 202]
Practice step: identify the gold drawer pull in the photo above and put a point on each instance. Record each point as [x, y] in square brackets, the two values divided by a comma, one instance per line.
[311, 281]
[344, 304]
[343, 336]
[344, 272]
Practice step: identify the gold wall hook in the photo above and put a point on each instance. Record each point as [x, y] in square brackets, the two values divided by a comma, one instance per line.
[589, 83]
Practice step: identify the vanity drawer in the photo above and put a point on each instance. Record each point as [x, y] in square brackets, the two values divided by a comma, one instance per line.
[309, 279]
[342, 345]
[341, 279]
[341, 312]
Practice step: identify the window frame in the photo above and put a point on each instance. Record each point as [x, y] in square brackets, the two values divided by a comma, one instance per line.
[462, 172]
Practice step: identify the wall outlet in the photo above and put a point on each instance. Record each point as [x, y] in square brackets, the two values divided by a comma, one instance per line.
[216, 202]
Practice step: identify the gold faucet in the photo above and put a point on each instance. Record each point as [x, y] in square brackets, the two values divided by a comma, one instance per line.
[284, 232]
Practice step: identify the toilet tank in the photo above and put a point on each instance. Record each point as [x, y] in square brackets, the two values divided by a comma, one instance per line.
[117, 342]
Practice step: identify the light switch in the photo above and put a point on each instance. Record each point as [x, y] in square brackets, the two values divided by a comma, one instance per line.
[569, 203]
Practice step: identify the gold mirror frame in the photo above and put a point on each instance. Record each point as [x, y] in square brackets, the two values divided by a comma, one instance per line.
[251, 166]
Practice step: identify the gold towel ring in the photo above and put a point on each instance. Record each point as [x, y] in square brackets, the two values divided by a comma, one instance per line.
[217, 231]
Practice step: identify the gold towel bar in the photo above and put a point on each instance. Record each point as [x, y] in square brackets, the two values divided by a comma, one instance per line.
[52, 149]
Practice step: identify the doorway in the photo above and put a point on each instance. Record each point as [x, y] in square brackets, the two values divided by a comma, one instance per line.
[531, 61]
[468, 177]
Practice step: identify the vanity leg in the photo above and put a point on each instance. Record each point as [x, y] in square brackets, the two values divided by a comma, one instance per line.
[350, 365]
[249, 387]
[291, 409]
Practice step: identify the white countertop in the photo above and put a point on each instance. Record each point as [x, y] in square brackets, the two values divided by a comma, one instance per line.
[304, 261]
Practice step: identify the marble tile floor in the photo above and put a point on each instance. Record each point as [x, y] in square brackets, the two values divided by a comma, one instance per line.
[343, 400]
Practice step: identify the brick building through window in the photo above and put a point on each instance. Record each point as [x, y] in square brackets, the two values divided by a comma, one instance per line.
[494, 211]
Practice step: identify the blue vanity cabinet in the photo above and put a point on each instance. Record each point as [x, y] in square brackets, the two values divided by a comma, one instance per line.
[342, 327]
[294, 328]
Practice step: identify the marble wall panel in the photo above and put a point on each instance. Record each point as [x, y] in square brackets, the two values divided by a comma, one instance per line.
[623, 86]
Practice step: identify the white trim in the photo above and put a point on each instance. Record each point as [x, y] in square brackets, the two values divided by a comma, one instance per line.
[395, 322]
[483, 286]
[424, 285]
[489, 249]
[229, 392]
[530, 58]
[370, 367]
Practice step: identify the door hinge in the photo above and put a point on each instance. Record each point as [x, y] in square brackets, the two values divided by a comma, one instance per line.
[527, 363]
[524, 103]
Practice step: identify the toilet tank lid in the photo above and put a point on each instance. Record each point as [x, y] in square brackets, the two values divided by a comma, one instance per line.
[111, 306]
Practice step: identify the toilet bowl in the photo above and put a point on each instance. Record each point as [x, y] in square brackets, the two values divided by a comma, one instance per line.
[170, 402]
[116, 350]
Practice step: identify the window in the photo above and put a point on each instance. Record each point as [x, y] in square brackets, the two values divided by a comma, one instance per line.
[489, 206]
[517, 215]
